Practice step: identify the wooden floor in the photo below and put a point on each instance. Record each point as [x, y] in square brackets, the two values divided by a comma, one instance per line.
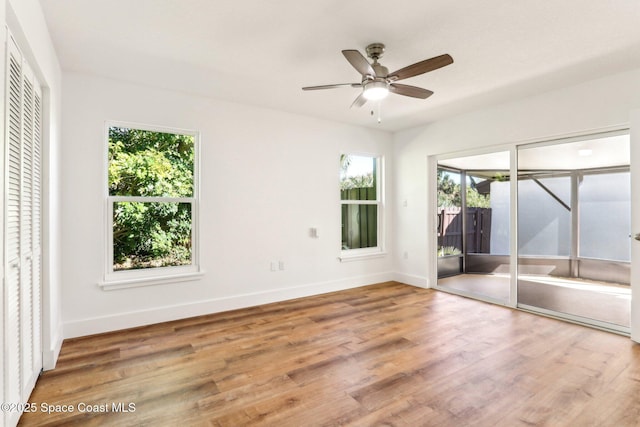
[381, 355]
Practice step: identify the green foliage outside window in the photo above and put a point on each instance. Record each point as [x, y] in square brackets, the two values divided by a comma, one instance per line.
[151, 164]
[449, 193]
[358, 182]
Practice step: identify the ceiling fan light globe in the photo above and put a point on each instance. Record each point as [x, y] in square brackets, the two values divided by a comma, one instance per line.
[376, 90]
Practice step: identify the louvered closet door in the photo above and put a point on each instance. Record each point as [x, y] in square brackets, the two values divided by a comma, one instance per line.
[36, 232]
[23, 219]
[29, 287]
[13, 170]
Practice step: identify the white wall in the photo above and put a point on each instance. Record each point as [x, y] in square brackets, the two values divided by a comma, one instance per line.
[267, 177]
[597, 105]
[25, 20]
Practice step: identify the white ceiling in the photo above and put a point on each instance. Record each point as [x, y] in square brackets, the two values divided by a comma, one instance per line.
[263, 52]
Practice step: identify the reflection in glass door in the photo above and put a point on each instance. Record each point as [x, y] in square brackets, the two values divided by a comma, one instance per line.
[573, 230]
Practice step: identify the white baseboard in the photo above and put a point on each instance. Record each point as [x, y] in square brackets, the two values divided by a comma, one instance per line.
[117, 321]
[50, 354]
[411, 279]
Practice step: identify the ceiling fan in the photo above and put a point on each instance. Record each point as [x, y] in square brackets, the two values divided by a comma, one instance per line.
[377, 81]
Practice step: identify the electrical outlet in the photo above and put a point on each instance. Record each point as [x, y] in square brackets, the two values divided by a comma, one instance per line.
[281, 265]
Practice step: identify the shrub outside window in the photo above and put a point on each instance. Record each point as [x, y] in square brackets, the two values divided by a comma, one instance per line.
[151, 201]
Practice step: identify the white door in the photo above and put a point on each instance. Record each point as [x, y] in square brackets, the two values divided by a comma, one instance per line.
[22, 232]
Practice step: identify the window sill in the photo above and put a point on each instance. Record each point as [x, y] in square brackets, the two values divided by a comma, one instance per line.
[110, 285]
[360, 256]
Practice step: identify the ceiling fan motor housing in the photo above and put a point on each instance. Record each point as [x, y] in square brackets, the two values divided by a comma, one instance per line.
[375, 51]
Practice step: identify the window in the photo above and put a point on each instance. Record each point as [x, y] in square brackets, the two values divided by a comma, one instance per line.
[360, 198]
[152, 203]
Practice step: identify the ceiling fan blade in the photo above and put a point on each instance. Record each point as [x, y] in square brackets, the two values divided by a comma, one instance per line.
[412, 91]
[332, 86]
[421, 67]
[359, 101]
[359, 62]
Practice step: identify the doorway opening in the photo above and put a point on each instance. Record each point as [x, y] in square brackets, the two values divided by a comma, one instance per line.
[474, 226]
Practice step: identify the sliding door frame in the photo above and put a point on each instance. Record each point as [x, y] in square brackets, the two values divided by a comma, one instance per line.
[432, 167]
[432, 244]
[574, 253]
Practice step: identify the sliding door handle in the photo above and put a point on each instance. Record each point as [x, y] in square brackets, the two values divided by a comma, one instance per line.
[637, 236]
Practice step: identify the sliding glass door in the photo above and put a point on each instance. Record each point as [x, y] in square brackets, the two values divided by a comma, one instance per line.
[574, 230]
[545, 227]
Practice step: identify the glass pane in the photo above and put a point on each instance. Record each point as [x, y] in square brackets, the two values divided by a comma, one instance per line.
[473, 234]
[488, 224]
[449, 213]
[605, 216]
[359, 226]
[146, 163]
[488, 213]
[544, 215]
[148, 235]
[358, 178]
[566, 188]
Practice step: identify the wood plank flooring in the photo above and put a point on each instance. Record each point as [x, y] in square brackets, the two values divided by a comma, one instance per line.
[380, 355]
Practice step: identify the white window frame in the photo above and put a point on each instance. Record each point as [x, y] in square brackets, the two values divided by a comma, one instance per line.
[347, 255]
[157, 275]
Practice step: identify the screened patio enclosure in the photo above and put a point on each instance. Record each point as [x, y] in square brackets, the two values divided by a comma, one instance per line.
[559, 211]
